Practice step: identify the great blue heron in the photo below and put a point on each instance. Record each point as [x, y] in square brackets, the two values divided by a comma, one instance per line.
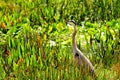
[80, 59]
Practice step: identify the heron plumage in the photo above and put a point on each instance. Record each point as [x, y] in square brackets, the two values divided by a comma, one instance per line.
[78, 55]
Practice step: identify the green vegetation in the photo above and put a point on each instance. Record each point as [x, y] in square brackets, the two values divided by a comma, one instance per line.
[35, 42]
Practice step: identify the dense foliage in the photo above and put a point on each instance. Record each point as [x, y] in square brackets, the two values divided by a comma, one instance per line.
[35, 41]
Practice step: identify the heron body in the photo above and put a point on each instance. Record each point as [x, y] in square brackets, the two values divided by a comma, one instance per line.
[80, 59]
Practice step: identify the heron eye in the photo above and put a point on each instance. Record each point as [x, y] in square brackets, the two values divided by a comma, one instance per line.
[76, 54]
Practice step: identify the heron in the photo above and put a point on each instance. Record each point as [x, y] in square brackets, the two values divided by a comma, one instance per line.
[79, 58]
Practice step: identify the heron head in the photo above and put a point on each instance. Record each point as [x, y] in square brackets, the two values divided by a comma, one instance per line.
[71, 23]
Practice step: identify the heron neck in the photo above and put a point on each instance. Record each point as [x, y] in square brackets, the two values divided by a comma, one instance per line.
[74, 39]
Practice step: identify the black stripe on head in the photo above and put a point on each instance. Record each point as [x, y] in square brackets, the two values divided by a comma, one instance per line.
[73, 21]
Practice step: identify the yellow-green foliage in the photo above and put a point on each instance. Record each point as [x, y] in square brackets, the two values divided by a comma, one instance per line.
[35, 41]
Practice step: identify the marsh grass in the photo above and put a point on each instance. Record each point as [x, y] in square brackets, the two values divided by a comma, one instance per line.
[35, 42]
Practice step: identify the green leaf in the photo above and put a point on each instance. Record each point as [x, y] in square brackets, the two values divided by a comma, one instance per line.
[27, 61]
[15, 66]
[10, 60]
